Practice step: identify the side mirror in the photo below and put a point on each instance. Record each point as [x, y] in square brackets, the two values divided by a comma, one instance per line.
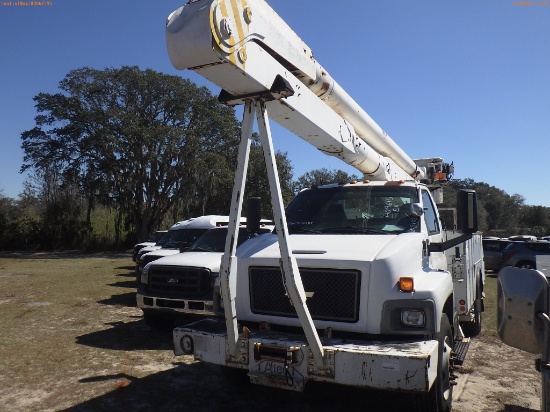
[417, 210]
[253, 214]
[521, 295]
[466, 211]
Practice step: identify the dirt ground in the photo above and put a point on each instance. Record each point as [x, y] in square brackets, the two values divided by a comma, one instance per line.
[73, 340]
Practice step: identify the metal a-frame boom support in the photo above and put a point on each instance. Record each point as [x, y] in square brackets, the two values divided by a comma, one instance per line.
[289, 267]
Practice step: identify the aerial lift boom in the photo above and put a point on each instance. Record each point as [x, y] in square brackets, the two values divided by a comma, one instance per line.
[244, 47]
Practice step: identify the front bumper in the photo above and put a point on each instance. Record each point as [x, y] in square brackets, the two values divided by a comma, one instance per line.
[175, 306]
[283, 360]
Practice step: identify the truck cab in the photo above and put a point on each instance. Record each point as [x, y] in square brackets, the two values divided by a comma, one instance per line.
[376, 232]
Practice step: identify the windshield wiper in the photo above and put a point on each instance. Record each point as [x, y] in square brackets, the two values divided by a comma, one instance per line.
[301, 229]
[355, 229]
[198, 249]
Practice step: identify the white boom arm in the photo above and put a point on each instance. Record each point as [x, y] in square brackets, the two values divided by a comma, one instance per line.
[245, 48]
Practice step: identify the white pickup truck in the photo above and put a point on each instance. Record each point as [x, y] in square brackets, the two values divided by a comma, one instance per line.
[181, 285]
[178, 238]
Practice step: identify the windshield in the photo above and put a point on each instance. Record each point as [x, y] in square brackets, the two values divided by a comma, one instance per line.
[214, 240]
[175, 238]
[165, 238]
[360, 209]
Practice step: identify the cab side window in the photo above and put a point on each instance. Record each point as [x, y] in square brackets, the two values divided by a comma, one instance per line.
[430, 216]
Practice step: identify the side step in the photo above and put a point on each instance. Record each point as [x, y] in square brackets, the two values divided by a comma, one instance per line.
[460, 350]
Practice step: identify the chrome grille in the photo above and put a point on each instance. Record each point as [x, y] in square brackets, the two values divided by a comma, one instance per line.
[179, 281]
[335, 293]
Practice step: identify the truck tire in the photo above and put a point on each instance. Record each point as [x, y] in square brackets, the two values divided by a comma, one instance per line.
[158, 322]
[472, 329]
[440, 396]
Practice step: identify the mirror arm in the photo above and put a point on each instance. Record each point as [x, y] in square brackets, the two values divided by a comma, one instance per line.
[441, 247]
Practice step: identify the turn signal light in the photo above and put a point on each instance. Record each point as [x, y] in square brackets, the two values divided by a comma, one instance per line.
[406, 284]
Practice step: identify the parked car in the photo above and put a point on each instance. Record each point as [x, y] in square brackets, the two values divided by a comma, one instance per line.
[182, 285]
[179, 238]
[152, 241]
[523, 238]
[523, 254]
[492, 252]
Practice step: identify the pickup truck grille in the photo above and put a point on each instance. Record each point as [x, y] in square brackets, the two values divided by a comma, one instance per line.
[335, 293]
[179, 281]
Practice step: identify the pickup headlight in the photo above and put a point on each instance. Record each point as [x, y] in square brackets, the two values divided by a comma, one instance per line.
[145, 275]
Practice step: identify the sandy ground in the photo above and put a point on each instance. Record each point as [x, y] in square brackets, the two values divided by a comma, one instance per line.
[496, 377]
[95, 353]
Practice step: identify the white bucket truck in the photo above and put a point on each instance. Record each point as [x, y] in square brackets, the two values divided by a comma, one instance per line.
[355, 287]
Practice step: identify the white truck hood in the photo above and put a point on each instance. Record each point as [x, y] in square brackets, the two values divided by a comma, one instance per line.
[148, 249]
[380, 259]
[208, 260]
[163, 252]
[333, 247]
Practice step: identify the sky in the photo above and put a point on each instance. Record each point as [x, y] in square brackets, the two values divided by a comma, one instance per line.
[465, 80]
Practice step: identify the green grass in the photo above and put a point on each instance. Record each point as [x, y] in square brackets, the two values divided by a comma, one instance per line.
[489, 319]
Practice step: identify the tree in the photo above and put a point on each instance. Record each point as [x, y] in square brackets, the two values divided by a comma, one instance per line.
[499, 210]
[322, 176]
[139, 141]
[536, 218]
[18, 224]
[257, 184]
[60, 208]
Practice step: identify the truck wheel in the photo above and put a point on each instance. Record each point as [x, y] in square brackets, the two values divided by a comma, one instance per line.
[440, 396]
[472, 329]
[155, 321]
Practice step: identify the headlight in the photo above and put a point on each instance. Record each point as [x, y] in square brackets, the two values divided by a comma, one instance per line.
[408, 317]
[145, 275]
[412, 317]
